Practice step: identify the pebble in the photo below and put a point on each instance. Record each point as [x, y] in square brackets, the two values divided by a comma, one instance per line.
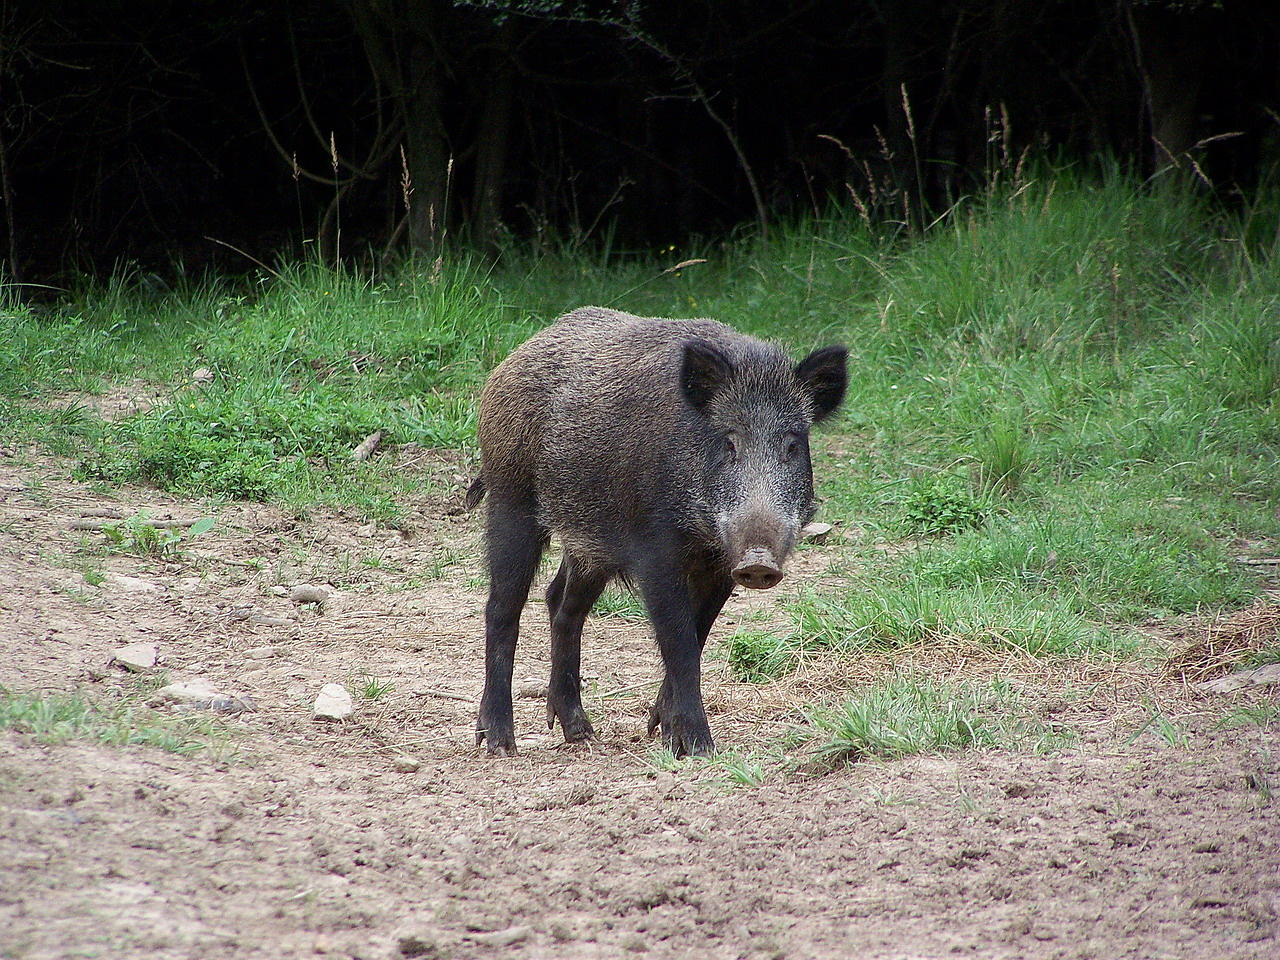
[403, 764]
[816, 532]
[501, 938]
[186, 691]
[219, 704]
[310, 593]
[137, 656]
[531, 689]
[1018, 790]
[261, 653]
[233, 704]
[188, 695]
[333, 703]
[416, 946]
[1265, 675]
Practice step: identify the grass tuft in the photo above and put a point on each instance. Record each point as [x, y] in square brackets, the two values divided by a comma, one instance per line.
[58, 717]
[941, 504]
[1078, 375]
[904, 715]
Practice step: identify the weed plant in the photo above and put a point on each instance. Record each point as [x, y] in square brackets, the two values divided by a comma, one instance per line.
[371, 687]
[939, 504]
[903, 715]
[140, 536]
[621, 603]
[57, 717]
[1062, 414]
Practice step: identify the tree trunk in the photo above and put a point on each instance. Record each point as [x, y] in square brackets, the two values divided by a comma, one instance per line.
[492, 139]
[426, 151]
[403, 44]
[1167, 49]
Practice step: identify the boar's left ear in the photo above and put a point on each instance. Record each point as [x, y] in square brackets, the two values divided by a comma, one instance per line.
[823, 376]
[706, 372]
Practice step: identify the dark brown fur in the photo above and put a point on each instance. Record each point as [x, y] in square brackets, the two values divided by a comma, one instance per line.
[663, 451]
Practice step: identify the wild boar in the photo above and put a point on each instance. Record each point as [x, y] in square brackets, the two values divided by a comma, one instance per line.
[673, 454]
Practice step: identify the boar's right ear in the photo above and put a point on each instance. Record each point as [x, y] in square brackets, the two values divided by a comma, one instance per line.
[705, 373]
[823, 375]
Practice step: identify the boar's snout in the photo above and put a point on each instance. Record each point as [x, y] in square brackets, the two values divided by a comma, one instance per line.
[757, 570]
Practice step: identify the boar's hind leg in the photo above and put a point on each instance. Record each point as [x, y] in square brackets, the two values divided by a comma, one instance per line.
[678, 708]
[515, 544]
[570, 598]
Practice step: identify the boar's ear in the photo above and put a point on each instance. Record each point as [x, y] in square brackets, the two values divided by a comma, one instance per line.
[823, 376]
[706, 372]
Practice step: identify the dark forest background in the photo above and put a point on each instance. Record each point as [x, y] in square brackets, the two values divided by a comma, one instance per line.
[164, 134]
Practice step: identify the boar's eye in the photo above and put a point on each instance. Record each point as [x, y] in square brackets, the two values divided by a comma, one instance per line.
[731, 446]
[790, 447]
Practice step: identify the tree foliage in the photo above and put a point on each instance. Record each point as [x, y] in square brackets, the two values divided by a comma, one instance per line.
[137, 131]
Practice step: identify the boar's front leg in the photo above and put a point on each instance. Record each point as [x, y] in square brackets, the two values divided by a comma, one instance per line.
[570, 597]
[515, 543]
[678, 709]
[708, 591]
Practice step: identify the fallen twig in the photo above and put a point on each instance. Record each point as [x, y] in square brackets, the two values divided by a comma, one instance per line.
[112, 513]
[443, 695]
[85, 523]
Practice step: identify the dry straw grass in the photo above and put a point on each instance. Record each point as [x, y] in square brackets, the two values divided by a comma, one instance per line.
[758, 713]
[1204, 649]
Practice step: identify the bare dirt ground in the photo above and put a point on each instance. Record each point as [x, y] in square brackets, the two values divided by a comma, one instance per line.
[308, 839]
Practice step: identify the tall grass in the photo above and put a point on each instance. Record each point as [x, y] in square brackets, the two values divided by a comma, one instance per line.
[1063, 394]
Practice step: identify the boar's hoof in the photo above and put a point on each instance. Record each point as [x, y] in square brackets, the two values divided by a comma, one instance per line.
[758, 570]
[684, 736]
[573, 720]
[502, 743]
[583, 733]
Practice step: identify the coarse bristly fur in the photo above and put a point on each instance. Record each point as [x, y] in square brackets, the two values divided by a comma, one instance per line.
[673, 453]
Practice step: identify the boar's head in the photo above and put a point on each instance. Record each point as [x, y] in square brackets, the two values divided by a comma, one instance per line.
[754, 412]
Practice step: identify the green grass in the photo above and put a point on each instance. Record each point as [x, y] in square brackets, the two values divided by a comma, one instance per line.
[59, 717]
[621, 603]
[758, 656]
[726, 769]
[884, 615]
[141, 536]
[941, 503]
[1062, 413]
[1263, 714]
[904, 715]
[900, 715]
[371, 687]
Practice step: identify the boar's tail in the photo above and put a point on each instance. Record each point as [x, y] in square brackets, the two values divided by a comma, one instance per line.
[475, 492]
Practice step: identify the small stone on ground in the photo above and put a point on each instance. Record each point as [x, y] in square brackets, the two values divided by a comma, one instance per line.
[333, 703]
[1266, 675]
[137, 656]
